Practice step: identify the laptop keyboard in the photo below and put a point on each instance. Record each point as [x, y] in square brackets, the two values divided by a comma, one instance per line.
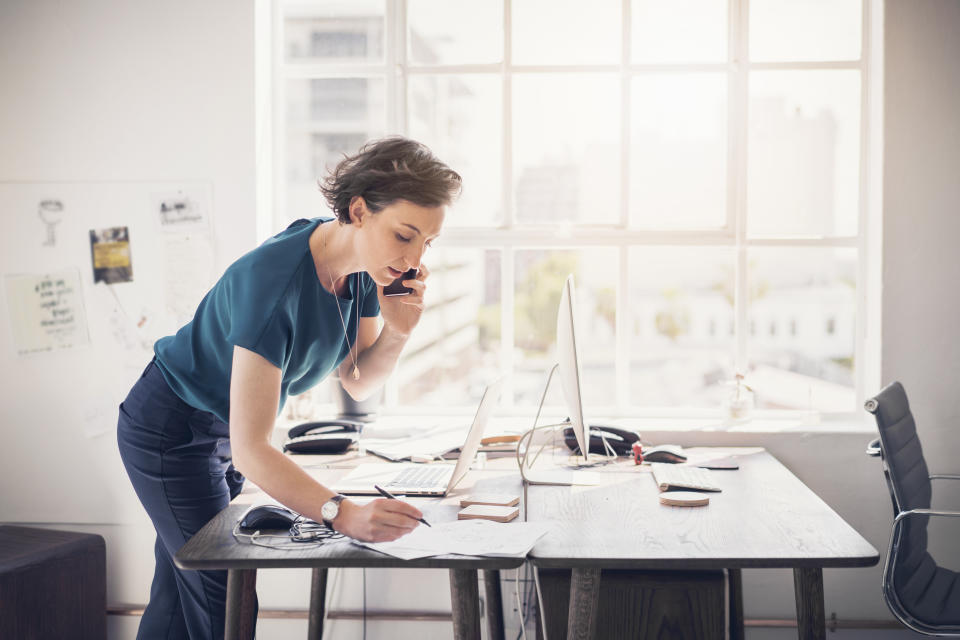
[421, 477]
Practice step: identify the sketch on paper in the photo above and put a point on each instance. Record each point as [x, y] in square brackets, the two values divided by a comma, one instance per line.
[46, 311]
[183, 210]
[51, 213]
[110, 251]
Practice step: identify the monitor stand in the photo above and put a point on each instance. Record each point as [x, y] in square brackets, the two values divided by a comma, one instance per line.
[555, 477]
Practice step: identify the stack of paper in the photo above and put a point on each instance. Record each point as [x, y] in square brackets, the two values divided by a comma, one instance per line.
[465, 537]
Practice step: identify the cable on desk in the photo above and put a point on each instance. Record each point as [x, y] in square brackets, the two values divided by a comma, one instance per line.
[302, 531]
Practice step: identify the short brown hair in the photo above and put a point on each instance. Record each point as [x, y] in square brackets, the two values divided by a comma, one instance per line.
[384, 171]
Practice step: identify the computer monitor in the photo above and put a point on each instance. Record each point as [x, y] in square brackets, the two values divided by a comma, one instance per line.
[569, 363]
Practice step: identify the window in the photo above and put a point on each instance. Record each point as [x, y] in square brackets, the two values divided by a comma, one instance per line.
[697, 164]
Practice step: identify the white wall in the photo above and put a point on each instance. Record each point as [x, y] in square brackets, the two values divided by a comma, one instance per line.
[94, 90]
[921, 275]
[107, 91]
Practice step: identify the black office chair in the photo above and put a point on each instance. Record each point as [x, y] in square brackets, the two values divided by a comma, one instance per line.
[922, 595]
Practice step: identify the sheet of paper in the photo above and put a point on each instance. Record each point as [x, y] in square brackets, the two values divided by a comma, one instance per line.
[46, 311]
[432, 443]
[465, 537]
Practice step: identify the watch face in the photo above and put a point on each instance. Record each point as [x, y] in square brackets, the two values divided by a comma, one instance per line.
[329, 510]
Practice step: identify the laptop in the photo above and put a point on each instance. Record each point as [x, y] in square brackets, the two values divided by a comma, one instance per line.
[422, 479]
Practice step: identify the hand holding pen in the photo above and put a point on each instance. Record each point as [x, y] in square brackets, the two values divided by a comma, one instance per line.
[386, 494]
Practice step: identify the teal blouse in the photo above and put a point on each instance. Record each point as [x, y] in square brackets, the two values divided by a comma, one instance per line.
[270, 301]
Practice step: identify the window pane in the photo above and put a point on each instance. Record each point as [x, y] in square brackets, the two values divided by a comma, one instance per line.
[679, 31]
[454, 31]
[679, 151]
[331, 31]
[455, 350]
[326, 118]
[459, 118]
[804, 30]
[804, 153]
[566, 32]
[803, 322]
[682, 325]
[566, 146]
[540, 276]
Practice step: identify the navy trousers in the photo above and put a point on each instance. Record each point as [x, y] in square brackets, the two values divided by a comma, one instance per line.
[178, 459]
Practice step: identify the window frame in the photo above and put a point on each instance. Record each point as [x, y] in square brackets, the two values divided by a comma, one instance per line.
[510, 236]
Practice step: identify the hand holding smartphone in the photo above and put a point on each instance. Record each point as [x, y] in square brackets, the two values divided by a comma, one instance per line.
[396, 287]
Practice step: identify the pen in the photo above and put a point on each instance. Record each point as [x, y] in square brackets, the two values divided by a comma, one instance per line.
[386, 494]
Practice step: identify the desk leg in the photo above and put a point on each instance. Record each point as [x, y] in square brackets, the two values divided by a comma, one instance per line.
[241, 618]
[318, 603]
[491, 584]
[584, 601]
[465, 601]
[808, 591]
[735, 590]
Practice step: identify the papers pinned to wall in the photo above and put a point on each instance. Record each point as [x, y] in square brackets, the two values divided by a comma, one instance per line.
[46, 311]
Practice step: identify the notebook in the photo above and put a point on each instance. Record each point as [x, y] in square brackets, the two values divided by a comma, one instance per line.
[422, 479]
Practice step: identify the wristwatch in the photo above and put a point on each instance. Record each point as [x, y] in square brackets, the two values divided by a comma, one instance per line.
[331, 509]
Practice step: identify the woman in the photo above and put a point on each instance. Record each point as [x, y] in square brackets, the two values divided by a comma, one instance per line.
[278, 321]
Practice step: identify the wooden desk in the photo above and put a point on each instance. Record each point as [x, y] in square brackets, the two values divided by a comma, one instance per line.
[214, 547]
[765, 517]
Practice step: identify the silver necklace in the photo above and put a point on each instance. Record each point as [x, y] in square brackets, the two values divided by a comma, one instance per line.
[356, 302]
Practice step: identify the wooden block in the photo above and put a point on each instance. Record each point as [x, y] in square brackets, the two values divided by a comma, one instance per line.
[496, 499]
[684, 499]
[488, 512]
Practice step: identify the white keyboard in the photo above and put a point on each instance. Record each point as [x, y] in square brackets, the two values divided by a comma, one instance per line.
[672, 476]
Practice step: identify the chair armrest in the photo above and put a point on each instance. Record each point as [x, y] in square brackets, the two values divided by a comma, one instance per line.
[924, 512]
[944, 476]
[873, 448]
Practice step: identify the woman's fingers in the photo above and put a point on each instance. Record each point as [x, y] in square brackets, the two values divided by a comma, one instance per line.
[401, 507]
[417, 285]
[391, 519]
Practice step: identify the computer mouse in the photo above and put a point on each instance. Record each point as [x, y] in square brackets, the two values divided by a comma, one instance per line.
[664, 453]
[267, 516]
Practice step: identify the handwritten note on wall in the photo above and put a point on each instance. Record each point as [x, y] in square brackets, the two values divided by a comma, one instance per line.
[46, 311]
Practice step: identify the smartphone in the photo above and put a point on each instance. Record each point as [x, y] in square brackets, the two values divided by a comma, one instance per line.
[396, 287]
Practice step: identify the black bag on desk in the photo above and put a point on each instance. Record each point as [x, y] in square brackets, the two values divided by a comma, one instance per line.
[620, 440]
